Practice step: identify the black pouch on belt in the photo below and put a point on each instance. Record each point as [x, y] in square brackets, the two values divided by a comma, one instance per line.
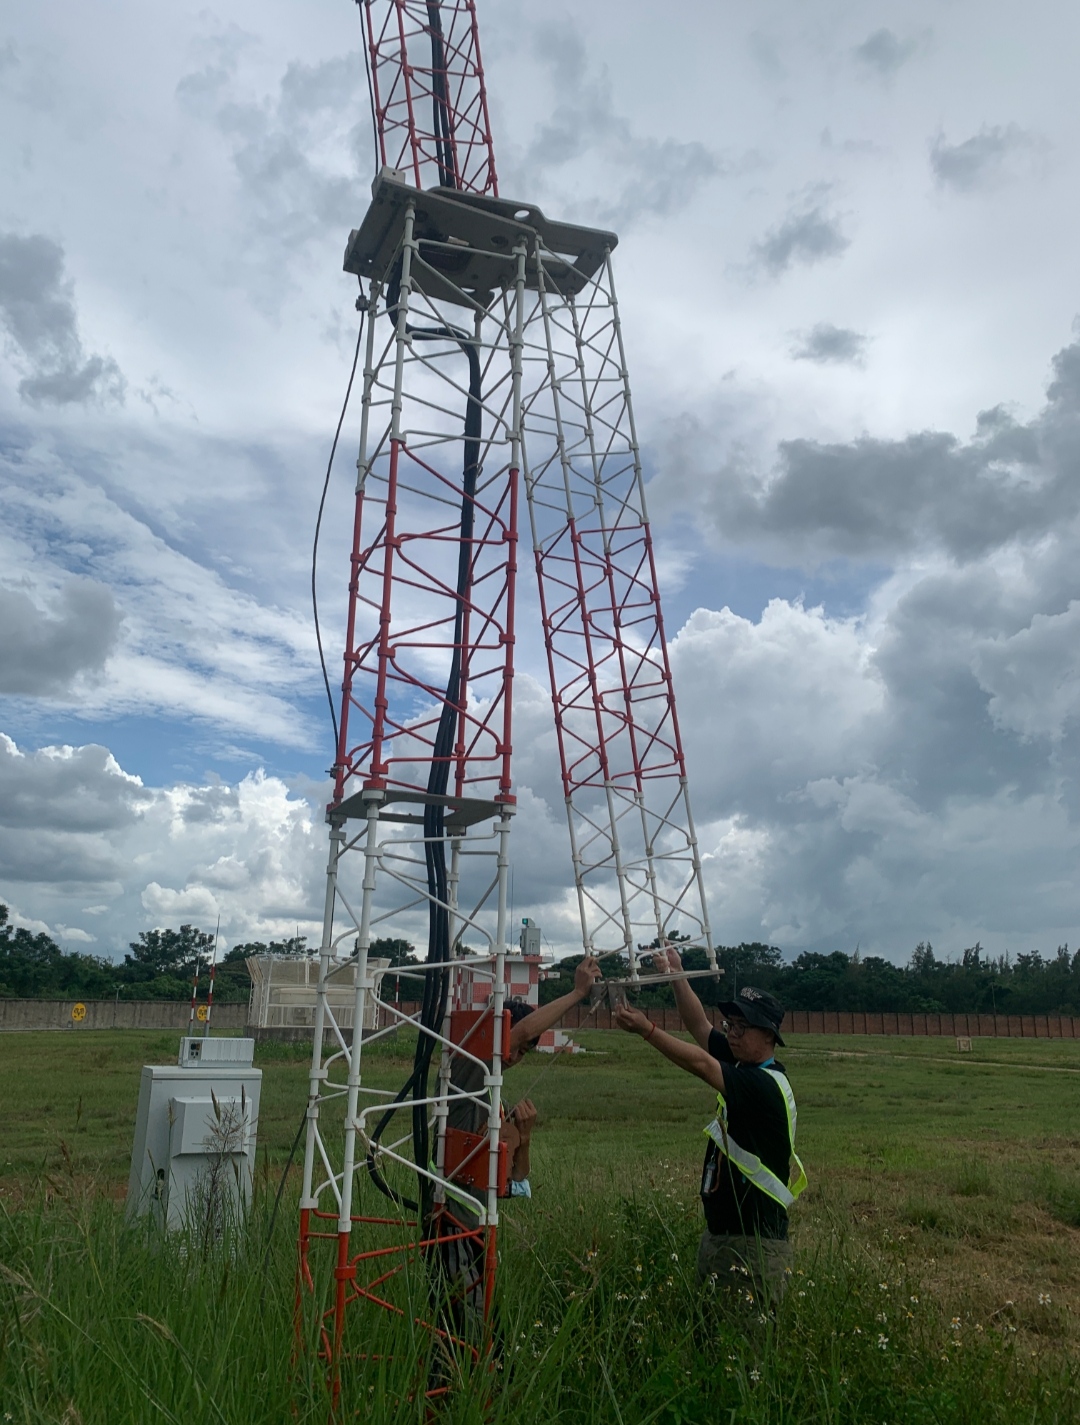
[710, 1175]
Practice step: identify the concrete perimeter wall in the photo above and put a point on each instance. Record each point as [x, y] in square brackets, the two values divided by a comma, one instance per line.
[175, 1014]
[816, 1021]
[114, 1014]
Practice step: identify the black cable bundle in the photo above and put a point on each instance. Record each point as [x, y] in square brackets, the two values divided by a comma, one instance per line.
[440, 100]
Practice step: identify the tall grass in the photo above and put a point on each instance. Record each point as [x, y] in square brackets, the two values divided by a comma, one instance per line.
[601, 1322]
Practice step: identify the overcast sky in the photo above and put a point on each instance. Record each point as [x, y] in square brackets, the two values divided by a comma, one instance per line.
[849, 278]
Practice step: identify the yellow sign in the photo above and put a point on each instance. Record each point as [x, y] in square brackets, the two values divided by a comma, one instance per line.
[78, 1012]
[200, 1014]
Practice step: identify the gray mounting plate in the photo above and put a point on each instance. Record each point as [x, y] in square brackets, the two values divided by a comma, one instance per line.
[466, 242]
[462, 812]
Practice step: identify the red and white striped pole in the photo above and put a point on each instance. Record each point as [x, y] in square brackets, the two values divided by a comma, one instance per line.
[213, 972]
[194, 997]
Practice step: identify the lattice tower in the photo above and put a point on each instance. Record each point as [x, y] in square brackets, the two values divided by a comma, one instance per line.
[493, 360]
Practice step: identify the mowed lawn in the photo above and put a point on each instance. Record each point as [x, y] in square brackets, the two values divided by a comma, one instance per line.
[967, 1165]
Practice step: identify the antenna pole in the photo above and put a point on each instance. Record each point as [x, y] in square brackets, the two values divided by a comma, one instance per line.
[213, 972]
[194, 996]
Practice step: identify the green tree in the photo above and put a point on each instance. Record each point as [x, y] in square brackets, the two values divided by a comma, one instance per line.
[162, 963]
[294, 945]
[397, 951]
[33, 966]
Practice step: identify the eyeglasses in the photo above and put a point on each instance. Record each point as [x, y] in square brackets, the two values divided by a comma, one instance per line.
[734, 1026]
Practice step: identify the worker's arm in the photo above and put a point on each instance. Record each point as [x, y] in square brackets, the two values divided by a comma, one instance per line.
[524, 1116]
[691, 1010]
[548, 1015]
[690, 1057]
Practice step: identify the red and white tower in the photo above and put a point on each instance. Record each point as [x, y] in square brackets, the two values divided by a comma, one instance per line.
[494, 366]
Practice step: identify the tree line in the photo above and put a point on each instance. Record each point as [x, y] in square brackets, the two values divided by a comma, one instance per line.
[976, 983]
[161, 964]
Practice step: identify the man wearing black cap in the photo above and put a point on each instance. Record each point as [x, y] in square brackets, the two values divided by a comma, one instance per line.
[745, 1185]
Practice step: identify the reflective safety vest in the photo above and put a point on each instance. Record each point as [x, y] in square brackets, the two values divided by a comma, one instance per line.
[749, 1164]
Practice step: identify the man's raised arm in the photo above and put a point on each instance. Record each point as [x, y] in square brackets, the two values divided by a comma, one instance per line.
[548, 1015]
[687, 1056]
[691, 1010]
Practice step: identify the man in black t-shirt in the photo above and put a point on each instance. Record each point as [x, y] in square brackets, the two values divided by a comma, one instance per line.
[745, 1189]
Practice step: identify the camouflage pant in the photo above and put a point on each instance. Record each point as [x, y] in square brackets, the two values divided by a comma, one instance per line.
[761, 1265]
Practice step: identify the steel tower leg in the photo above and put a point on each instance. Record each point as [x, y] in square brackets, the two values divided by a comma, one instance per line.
[636, 861]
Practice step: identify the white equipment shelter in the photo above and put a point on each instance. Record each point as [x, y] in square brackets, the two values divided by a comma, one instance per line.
[193, 1161]
[285, 988]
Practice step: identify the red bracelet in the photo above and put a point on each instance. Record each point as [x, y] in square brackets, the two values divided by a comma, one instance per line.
[652, 1031]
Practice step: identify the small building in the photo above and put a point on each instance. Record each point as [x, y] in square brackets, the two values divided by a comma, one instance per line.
[284, 987]
[523, 975]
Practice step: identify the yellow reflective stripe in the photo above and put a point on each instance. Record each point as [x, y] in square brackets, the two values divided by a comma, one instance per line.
[797, 1180]
[797, 1177]
[749, 1164]
[789, 1102]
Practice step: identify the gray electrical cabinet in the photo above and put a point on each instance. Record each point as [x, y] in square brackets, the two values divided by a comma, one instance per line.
[529, 939]
[193, 1161]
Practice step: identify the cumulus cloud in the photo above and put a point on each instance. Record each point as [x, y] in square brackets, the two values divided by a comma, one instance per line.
[916, 769]
[825, 344]
[807, 235]
[796, 689]
[59, 811]
[984, 160]
[198, 638]
[885, 53]
[876, 498]
[37, 311]
[1033, 674]
[166, 906]
[74, 933]
[43, 651]
[86, 783]
[72, 821]
[299, 152]
[626, 174]
[856, 780]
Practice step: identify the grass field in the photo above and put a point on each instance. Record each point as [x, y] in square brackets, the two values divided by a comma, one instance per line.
[937, 1250]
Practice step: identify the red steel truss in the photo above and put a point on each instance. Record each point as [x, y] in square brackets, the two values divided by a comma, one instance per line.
[428, 92]
[409, 613]
[637, 867]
